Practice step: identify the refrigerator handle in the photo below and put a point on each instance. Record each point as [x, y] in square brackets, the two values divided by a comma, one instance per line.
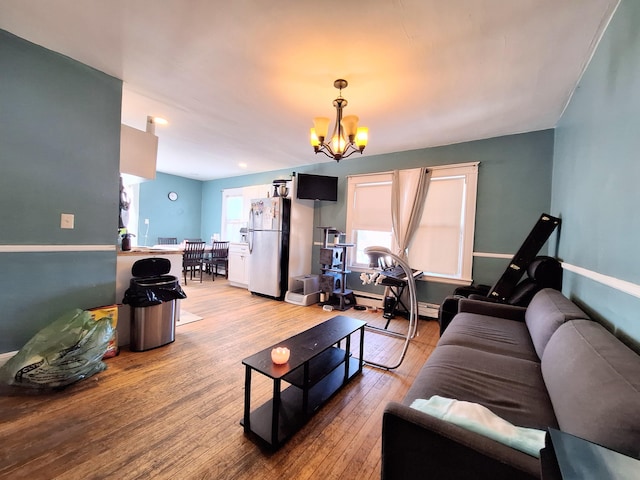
[250, 230]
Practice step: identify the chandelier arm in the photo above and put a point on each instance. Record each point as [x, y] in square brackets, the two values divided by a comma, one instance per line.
[353, 150]
[327, 147]
[323, 149]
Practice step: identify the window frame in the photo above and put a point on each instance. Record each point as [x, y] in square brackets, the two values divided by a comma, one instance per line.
[470, 172]
[226, 224]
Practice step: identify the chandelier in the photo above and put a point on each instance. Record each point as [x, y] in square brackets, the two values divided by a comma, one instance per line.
[347, 137]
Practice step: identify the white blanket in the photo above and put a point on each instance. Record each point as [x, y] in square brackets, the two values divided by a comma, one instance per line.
[479, 419]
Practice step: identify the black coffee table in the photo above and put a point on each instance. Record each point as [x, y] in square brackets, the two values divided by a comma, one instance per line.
[316, 370]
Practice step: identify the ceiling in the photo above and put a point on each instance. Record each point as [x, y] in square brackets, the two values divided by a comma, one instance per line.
[240, 82]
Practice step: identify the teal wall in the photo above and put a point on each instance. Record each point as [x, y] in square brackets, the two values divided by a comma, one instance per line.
[181, 219]
[59, 152]
[596, 176]
[514, 188]
[59, 148]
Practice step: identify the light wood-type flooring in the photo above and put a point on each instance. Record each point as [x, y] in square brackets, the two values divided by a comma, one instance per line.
[174, 412]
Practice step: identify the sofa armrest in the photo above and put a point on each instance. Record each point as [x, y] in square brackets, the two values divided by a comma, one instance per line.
[416, 446]
[500, 310]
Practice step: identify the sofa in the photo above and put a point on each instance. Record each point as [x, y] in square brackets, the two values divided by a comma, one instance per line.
[546, 365]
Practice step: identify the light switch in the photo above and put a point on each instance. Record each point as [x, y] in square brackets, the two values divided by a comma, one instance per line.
[66, 220]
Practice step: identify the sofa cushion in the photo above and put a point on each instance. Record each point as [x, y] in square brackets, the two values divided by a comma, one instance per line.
[490, 334]
[593, 381]
[547, 311]
[512, 388]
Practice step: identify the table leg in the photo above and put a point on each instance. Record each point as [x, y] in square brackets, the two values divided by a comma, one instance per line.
[305, 389]
[247, 399]
[346, 358]
[275, 414]
[361, 349]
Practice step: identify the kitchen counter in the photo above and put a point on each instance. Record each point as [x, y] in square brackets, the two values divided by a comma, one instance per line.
[152, 251]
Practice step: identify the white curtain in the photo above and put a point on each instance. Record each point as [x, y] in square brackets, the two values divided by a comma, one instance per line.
[408, 192]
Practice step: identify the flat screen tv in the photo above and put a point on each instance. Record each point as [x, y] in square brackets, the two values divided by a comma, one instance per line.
[317, 187]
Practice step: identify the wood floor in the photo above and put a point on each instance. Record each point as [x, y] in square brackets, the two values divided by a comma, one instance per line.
[174, 412]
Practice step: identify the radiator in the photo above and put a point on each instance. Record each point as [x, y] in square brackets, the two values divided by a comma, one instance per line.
[427, 310]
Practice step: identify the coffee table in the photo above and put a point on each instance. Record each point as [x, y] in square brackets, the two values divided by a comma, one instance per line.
[317, 368]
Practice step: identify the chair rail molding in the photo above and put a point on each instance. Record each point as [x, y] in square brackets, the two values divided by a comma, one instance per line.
[508, 256]
[55, 248]
[615, 283]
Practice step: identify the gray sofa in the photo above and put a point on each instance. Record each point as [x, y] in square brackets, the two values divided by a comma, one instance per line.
[547, 365]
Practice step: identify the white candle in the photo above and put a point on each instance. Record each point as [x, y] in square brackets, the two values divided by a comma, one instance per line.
[280, 355]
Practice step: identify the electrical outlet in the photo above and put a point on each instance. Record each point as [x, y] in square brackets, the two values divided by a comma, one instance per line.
[67, 220]
[146, 221]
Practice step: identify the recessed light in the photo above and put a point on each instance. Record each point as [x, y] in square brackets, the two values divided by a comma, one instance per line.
[160, 121]
[242, 165]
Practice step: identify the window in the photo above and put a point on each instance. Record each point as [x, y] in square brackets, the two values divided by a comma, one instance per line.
[443, 244]
[233, 218]
[236, 203]
[369, 214]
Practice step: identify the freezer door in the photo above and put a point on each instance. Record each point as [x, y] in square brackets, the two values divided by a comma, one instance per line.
[264, 263]
[266, 214]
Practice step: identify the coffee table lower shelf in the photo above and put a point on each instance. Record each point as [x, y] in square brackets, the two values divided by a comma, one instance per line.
[292, 415]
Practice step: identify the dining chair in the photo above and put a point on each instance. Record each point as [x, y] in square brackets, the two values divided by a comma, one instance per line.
[167, 241]
[192, 258]
[219, 256]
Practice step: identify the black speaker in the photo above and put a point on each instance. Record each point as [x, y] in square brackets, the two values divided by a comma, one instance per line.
[389, 307]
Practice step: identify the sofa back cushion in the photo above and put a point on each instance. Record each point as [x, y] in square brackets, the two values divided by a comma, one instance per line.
[593, 380]
[547, 311]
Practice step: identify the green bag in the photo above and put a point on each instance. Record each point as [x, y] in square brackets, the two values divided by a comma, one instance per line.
[66, 351]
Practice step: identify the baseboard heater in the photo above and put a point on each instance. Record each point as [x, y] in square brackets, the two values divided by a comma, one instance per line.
[369, 299]
[425, 310]
[428, 310]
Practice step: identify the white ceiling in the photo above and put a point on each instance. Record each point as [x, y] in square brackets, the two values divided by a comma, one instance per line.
[240, 81]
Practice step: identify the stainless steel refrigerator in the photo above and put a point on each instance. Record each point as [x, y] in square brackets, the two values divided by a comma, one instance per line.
[268, 238]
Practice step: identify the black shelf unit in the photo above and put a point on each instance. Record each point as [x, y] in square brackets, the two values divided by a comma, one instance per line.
[292, 414]
[318, 367]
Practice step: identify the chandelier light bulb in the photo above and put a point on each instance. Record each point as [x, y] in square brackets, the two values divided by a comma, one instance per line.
[338, 144]
[362, 137]
[315, 142]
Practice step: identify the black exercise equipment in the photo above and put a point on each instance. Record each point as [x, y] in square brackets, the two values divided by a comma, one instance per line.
[542, 272]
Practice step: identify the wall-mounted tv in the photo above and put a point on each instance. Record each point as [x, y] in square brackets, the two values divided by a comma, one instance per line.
[317, 187]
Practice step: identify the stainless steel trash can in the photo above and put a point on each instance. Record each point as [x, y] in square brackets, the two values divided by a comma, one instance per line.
[153, 326]
[155, 303]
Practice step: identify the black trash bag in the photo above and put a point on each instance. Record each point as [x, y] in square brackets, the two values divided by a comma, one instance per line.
[141, 295]
[66, 351]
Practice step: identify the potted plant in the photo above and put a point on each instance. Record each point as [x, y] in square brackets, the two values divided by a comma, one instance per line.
[126, 240]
